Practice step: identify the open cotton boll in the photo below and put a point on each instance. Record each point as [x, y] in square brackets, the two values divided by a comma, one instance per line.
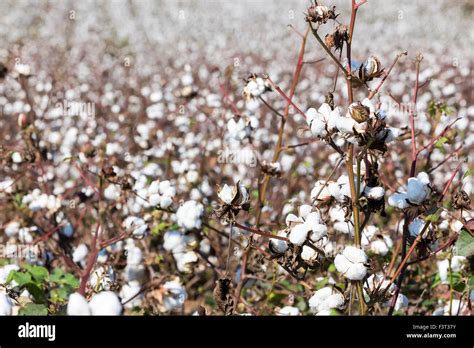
[379, 247]
[417, 191]
[129, 291]
[318, 128]
[457, 265]
[351, 263]
[226, 194]
[399, 200]
[6, 305]
[291, 219]
[325, 299]
[318, 232]
[298, 234]
[189, 215]
[289, 311]
[375, 193]
[401, 303]
[112, 192]
[12, 228]
[304, 210]
[176, 295]
[105, 303]
[136, 225]
[321, 189]
[308, 253]
[77, 305]
[80, 253]
[279, 245]
[173, 241]
[102, 278]
[415, 227]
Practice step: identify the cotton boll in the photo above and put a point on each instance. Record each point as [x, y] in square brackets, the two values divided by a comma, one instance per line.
[351, 263]
[298, 234]
[401, 303]
[325, 299]
[80, 253]
[173, 241]
[398, 200]
[318, 232]
[102, 278]
[112, 192]
[415, 227]
[189, 215]
[291, 219]
[12, 228]
[379, 247]
[318, 128]
[105, 303]
[375, 193]
[417, 191]
[134, 256]
[319, 186]
[67, 230]
[226, 194]
[308, 254]
[6, 305]
[129, 291]
[279, 245]
[77, 305]
[289, 311]
[176, 295]
[304, 210]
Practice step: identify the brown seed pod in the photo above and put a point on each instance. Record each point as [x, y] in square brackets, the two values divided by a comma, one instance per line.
[223, 297]
[359, 112]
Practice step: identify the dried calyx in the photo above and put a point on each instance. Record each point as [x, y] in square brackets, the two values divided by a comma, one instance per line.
[320, 14]
[234, 199]
[338, 37]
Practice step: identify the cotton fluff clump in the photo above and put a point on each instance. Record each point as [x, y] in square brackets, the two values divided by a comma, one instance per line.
[38, 201]
[104, 303]
[135, 270]
[289, 311]
[341, 189]
[255, 86]
[307, 224]
[136, 226]
[457, 265]
[178, 244]
[326, 299]
[175, 295]
[189, 215]
[241, 128]
[377, 284]
[6, 304]
[79, 254]
[161, 193]
[129, 296]
[351, 263]
[322, 120]
[415, 227]
[377, 243]
[418, 190]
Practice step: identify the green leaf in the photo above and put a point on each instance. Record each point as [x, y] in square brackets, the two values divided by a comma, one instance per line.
[56, 276]
[34, 309]
[35, 291]
[39, 273]
[436, 281]
[465, 244]
[20, 277]
[60, 295]
[469, 172]
[70, 280]
[441, 141]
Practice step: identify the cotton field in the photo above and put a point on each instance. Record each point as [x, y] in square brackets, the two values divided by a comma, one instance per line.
[203, 158]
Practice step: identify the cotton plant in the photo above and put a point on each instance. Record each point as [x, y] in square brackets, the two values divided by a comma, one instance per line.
[418, 190]
[352, 263]
[326, 299]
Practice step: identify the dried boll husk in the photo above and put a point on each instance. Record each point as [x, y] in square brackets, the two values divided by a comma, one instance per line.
[320, 14]
[370, 69]
[359, 112]
[338, 37]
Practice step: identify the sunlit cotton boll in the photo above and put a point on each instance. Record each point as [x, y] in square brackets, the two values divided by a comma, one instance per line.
[351, 263]
[105, 303]
[415, 227]
[279, 245]
[457, 265]
[289, 311]
[418, 189]
[325, 299]
[176, 295]
[80, 253]
[189, 215]
[77, 305]
[129, 291]
[6, 305]
[136, 226]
